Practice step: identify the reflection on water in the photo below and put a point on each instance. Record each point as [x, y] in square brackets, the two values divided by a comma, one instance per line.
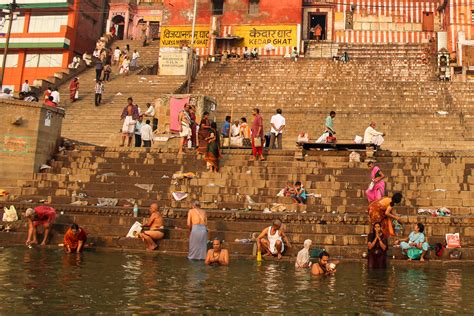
[41, 280]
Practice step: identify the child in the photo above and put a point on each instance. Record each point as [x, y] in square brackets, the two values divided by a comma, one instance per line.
[299, 195]
[289, 190]
[99, 89]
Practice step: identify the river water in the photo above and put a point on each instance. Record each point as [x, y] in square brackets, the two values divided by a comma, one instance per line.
[47, 281]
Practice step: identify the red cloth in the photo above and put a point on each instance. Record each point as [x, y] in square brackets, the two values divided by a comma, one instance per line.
[176, 106]
[45, 215]
[256, 151]
[72, 241]
[73, 86]
[50, 103]
[257, 122]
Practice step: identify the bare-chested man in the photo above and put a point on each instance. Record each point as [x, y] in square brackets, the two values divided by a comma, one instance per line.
[156, 229]
[217, 255]
[323, 267]
[272, 240]
[197, 224]
[185, 127]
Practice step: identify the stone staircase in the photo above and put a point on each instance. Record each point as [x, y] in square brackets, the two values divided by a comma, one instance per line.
[401, 95]
[387, 51]
[317, 49]
[83, 118]
[334, 221]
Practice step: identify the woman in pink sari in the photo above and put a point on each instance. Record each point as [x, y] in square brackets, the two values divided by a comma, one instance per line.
[376, 188]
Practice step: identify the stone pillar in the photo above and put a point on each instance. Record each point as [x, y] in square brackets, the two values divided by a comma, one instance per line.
[109, 23]
[125, 28]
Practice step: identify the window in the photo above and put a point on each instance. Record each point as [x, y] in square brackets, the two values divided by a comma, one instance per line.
[17, 26]
[12, 61]
[47, 23]
[43, 60]
[217, 7]
[254, 7]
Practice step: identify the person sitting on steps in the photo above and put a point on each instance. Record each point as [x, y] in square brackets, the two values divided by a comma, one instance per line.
[272, 240]
[415, 246]
[155, 228]
[299, 195]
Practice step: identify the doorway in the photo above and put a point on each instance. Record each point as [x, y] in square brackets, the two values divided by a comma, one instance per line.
[155, 30]
[119, 24]
[317, 26]
[428, 22]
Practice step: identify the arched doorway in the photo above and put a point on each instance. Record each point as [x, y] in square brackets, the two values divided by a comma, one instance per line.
[119, 24]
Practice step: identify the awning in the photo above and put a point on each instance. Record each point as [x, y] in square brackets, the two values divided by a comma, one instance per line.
[230, 38]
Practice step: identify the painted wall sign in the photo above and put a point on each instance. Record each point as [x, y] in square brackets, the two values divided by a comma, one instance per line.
[176, 36]
[259, 36]
[13, 144]
[173, 63]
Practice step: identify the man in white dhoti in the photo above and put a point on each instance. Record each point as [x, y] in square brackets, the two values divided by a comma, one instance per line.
[371, 136]
[272, 240]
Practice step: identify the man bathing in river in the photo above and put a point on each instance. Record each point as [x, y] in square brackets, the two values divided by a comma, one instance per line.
[197, 222]
[323, 267]
[272, 240]
[217, 255]
[155, 227]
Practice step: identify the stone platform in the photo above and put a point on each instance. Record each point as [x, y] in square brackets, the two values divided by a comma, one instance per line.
[344, 236]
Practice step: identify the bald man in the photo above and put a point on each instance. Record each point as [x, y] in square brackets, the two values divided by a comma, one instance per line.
[155, 228]
[272, 240]
[371, 136]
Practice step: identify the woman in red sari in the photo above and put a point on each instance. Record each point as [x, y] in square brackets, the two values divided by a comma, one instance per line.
[203, 134]
[381, 211]
[74, 89]
[75, 239]
[257, 133]
[213, 152]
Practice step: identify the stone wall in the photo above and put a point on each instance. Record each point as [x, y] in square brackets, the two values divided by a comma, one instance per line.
[29, 135]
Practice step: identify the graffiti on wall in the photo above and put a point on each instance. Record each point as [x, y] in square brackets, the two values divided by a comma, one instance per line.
[14, 145]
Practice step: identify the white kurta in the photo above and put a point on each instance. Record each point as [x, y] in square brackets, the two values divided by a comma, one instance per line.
[371, 136]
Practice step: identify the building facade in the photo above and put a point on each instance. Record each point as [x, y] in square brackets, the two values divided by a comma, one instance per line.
[135, 19]
[47, 34]
[234, 24]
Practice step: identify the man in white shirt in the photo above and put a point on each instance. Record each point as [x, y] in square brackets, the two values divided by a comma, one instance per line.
[147, 134]
[25, 87]
[371, 136]
[6, 94]
[150, 112]
[278, 124]
[56, 96]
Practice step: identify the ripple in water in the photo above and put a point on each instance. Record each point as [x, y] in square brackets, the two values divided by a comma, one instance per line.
[40, 280]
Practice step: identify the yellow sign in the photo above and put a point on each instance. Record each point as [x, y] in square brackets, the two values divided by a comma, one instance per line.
[259, 36]
[153, 18]
[176, 36]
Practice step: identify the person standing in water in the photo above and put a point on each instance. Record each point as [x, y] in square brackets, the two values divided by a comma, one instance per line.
[217, 255]
[197, 224]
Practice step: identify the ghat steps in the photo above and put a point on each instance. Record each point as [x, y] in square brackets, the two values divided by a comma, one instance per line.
[401, 95]
[428, 180]
[86, 123]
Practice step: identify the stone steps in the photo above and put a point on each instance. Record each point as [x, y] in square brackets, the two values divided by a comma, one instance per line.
[341, 238]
